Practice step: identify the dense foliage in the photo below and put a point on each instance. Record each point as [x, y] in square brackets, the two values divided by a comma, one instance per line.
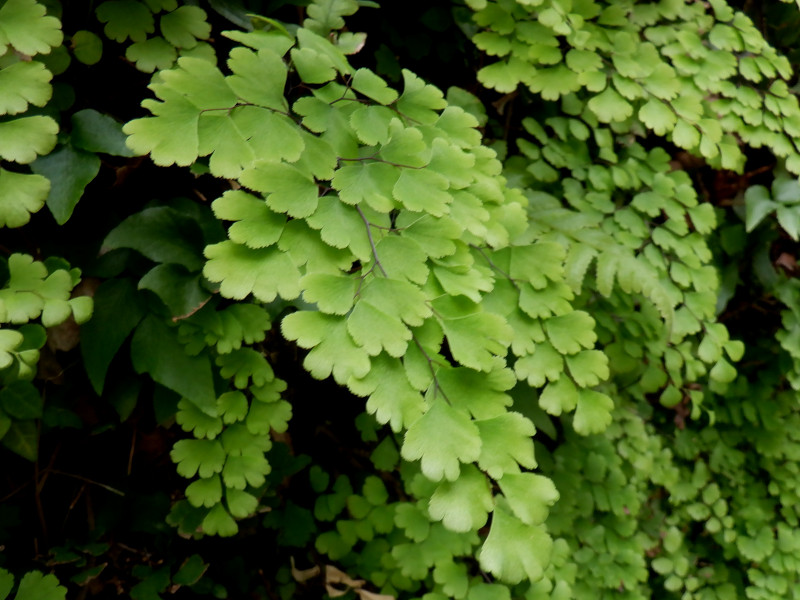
[480, 300]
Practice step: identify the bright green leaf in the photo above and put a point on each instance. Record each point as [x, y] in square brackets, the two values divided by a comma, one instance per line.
[25, 25]
[25, 138]
[21, 195]
[440, 454]
[506, 444]
[593, 413]
[22, 84]
[514, 551]
[529, 495]
[463, 504]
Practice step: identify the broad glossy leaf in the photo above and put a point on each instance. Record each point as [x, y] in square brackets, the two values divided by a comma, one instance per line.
[155, 350]
[117, 311]
[162, 234]
[69, 171]
[6, 583]
[179, 289]
[97, 132]
[21, 400]
[758, 204]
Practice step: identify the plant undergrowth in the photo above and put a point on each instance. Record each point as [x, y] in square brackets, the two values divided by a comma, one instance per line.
[480, 300]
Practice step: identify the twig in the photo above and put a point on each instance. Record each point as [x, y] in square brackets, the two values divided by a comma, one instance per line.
[89, 481]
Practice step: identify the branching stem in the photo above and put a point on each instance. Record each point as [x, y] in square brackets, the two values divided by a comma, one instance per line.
[371, 241]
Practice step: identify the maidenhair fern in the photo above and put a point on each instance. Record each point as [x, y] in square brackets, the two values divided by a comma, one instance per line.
[550, 401]
[444, 296]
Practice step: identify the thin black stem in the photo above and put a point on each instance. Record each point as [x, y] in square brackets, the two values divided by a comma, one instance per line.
[373, 158]
[494, 266]
[371, 241]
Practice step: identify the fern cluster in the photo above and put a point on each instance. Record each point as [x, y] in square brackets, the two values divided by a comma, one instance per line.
[538, 327]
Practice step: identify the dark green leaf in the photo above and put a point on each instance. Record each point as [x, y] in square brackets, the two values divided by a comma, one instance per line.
[69, 171]
[161, 234]
[181, 290]
[117, 311]
[23, 438]
[21, 400]
[96, 132]
[155, 350]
